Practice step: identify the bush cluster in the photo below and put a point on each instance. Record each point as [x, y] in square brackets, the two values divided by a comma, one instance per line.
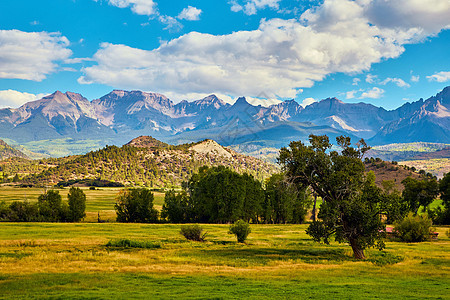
[193, 232]
[127, 243]
[413, 228]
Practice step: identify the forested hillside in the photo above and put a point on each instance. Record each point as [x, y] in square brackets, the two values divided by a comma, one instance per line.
[143, 161]
[6, 151]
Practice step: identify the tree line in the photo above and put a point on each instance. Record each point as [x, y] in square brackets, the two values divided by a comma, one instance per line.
[48, 208]
[219, 195]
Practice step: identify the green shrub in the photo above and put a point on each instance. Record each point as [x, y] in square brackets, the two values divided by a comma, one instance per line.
[413, 228]
[193, 232]
[125, 243]
[241, 230]
[22, 211]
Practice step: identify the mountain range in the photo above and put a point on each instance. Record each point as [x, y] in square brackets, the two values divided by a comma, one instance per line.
[122, 115]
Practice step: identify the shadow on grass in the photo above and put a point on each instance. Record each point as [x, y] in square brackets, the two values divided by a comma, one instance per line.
[265, 255]
[15, 254]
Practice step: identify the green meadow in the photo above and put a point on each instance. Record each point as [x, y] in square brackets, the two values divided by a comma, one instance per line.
[73, 261]
[98, 202]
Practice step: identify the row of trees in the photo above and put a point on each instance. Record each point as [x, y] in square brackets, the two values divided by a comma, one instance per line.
[49, 208]
[220, 195]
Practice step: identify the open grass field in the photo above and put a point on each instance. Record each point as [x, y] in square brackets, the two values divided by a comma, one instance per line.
[99, 201]
[72, 261]
[65, 261]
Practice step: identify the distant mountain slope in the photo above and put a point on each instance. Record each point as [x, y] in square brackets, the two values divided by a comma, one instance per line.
[55, 116]
[120, 115]
[428, 123]
[146, 161]
[443, 153]
[6, 151]
[405, 151]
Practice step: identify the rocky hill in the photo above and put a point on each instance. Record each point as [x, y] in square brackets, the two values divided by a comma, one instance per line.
[147, 161]
[388, 171]
[6, 151]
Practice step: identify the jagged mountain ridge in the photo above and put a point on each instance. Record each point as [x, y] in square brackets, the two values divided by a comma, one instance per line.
[430, 122]
[120, 115]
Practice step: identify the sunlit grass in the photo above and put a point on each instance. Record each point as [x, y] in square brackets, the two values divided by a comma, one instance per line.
[64, 260]
[100, 200]
[278, 261]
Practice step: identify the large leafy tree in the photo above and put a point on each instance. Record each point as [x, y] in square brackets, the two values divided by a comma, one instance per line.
[220, 195]
[135, 206]
[441, 214]
[177, 207]
[419, 193]
[352, 202]
[77, 204]
[284, 202]
[51, 207]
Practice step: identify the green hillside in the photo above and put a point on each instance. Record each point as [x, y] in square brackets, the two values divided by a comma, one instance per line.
[6, 151]
[141, 162]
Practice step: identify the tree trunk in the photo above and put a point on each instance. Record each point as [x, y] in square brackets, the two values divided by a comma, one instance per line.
[313, 217]
[358, 253]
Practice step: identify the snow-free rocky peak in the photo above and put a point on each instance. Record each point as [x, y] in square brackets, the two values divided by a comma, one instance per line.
[211, 147]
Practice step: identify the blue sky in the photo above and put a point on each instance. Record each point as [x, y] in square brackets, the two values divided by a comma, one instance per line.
[384, 52]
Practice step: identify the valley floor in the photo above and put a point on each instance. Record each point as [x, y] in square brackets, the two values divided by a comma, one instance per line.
[63, 260]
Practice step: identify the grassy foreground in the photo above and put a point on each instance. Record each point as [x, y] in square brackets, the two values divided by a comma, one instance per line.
[61, 261]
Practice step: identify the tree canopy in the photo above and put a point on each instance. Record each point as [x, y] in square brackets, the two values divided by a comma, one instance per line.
[352, 202]
[135, 206]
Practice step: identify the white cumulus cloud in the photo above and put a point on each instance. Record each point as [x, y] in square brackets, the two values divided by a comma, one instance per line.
[31, 55]
[12, 98]
[308, 101]
[171, 23]
[439, 77]
[190, 13]
[140, 7]
[415, 78]
[350, 94]
[426, 16]
[250, 7]
[371, 78]
[356, 81]
[398, 81]
[278, 58]
[374, 93]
